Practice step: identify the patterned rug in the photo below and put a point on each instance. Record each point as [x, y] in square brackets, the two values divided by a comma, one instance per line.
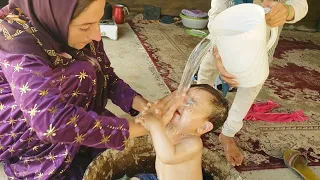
[294, 82]
[167, 45]
[132, 64]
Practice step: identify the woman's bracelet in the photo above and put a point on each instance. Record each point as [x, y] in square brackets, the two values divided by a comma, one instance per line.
[133, 112]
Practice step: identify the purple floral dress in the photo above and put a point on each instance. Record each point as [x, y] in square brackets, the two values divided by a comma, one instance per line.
[47, 114]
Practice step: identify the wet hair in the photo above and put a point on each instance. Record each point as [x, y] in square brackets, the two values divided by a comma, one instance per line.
[220, 105]
[80, 7]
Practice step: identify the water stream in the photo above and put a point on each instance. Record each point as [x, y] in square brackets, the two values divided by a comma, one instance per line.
[193, 63]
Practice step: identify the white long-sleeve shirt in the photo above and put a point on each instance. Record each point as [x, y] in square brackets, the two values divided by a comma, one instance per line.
[244, 96]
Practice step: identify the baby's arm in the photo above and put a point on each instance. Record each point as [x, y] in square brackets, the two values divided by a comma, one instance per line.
[166, 151]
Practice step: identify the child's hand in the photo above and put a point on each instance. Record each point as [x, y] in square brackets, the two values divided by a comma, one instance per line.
[227, 77]
[279, 13]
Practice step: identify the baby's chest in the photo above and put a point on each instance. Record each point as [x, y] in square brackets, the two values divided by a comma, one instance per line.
[188, 170]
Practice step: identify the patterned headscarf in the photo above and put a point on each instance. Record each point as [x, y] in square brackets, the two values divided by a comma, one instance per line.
[45, 22]
[40, 27]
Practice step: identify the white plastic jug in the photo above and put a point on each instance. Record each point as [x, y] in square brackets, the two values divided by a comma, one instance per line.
[240, 35]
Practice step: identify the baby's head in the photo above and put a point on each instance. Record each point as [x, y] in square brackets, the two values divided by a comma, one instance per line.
[205, 110]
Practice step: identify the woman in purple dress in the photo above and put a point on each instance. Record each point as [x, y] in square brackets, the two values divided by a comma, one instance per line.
[55, 80]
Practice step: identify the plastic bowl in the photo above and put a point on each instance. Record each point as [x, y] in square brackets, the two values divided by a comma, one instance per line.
[194, 23]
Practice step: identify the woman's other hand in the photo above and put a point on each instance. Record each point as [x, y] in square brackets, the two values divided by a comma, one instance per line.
[162, 110]
[4, 11]
[139, 103]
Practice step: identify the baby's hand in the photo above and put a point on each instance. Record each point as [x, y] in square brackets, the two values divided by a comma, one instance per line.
[141, 120]
[146, 109]
[147, 116]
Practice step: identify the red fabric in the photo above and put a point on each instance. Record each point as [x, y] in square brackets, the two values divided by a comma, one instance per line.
[261, 111]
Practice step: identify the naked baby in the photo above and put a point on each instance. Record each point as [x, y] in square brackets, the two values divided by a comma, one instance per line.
[179, 146]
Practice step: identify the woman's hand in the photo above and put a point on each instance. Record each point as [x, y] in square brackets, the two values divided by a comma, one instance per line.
[162, 110]
[140, 119]
[4, 11]
[139, 103]
[227, 77]
[279, 13]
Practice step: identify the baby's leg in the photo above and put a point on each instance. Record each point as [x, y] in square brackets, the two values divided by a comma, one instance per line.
[135, 178]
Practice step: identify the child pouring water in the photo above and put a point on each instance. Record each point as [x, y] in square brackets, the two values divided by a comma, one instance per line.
[281, 12]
